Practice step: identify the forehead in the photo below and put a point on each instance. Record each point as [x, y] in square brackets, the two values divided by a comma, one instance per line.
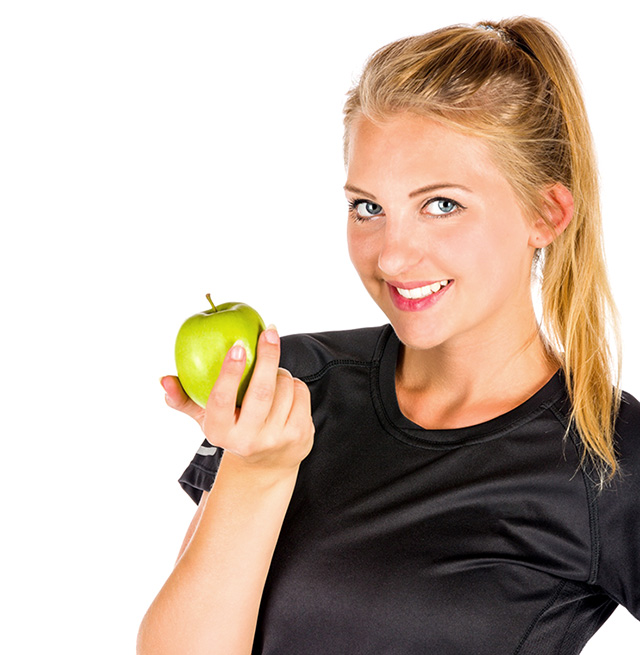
[409, 145]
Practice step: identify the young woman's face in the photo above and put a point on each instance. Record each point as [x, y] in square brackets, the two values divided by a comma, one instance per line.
[436, 233]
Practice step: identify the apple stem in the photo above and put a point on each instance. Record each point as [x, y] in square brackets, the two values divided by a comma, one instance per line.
[215, 309]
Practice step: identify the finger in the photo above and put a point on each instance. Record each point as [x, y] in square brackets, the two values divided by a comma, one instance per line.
[301, 406]
[261, 390]
[282, 399]
[220, 411]
[176, 398]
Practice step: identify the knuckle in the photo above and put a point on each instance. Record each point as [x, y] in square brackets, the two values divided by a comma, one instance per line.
[284, 384]
[300, 386]
[220, 398]
[301, 428]
[261, 392]
[305, 429]
[306, 434]
[217, 433]
[247, 450]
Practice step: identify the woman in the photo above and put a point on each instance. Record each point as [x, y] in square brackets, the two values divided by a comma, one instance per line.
[474, 480]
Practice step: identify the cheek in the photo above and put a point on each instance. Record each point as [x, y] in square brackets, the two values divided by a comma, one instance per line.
[505, 257]
[497, 256]
[511, 245]
[362, 248]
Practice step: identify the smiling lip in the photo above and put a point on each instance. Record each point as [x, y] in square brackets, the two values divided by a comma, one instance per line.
[421, 294]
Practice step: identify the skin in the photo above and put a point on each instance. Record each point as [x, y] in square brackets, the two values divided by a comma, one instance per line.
[476, 352]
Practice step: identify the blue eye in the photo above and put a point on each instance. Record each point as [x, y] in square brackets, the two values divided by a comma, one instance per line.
[442, 206]
[365, 209]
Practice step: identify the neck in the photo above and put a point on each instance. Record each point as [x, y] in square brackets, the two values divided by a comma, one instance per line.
[460, 384]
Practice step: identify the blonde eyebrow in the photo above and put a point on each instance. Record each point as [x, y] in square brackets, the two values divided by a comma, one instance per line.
[355, 189]
[413, 194]
[435, 187]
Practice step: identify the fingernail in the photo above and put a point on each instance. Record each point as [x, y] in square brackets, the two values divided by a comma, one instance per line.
[237, 351]
[271, 334]
[161, 383]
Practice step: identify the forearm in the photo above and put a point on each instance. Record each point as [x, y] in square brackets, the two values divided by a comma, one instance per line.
[211, 600]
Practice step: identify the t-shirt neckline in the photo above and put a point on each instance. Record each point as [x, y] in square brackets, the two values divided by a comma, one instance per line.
[401, 427]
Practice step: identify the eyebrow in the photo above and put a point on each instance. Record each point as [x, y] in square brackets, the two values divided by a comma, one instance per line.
[413, 194]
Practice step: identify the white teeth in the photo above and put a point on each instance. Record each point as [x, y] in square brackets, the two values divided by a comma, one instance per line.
[422, 292]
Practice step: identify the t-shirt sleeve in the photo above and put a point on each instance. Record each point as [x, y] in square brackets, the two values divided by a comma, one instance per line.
[201, 473]
[619, 516]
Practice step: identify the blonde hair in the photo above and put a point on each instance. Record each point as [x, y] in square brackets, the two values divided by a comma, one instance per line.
[513, 84]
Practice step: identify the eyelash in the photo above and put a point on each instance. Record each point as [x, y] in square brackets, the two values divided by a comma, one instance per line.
[353, 205]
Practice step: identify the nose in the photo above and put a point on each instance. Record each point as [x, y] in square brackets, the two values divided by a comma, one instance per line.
[400, 249]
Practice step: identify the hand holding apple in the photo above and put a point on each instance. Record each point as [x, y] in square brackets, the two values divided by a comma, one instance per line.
[204, 340]
[273, 430]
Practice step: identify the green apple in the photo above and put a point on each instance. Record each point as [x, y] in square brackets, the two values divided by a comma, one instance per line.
[205, 338]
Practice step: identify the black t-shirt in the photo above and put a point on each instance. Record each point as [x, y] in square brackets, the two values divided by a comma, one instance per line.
[483, 540]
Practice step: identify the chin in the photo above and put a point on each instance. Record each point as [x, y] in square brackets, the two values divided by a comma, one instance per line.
[416, 338]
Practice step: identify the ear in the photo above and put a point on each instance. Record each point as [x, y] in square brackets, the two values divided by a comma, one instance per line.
[557, 214]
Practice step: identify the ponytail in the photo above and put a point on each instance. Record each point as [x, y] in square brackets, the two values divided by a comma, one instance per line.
[579, 314]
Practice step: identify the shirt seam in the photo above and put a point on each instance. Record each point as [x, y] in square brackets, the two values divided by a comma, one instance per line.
[568, 627]
[334, 363]
[591, 501]
[408, 438]
[418, 442]
[201, 468]
[550, 603]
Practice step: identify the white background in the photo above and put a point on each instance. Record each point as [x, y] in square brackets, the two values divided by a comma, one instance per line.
[152, 152]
